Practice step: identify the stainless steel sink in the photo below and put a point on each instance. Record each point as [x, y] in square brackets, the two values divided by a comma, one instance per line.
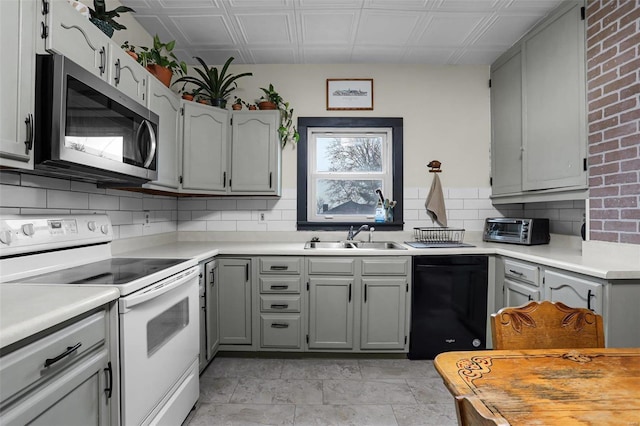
[379, 245]
[329, 245]
[376, 245]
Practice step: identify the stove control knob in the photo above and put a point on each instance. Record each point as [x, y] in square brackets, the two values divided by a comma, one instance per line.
[91, 225]
[104, 229]
[28, 230]
[5, 237]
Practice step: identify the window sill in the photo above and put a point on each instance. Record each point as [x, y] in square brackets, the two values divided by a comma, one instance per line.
[343, 226]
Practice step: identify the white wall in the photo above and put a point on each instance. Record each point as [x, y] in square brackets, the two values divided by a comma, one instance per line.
[445, 109]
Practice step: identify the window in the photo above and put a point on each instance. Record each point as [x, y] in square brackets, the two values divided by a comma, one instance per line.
[341, 163]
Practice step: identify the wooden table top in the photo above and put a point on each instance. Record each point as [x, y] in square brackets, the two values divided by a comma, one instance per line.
[550, 386]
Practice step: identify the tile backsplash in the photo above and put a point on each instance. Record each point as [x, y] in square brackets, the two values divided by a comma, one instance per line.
[29, 194]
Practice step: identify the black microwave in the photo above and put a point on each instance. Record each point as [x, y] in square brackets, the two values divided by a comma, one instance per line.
[88, 130]
[516, 231]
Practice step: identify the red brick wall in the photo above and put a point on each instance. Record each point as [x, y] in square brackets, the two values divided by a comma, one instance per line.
[613, 97]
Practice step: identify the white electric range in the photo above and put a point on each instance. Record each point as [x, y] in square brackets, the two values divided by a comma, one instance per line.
[158, 307]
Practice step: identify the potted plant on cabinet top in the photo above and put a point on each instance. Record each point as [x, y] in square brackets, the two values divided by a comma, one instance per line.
[287, 131]
[160, 61]
[217, 85]
[103, 18]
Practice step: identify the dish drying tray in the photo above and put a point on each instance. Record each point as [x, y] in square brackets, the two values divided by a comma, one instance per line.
[439, 235]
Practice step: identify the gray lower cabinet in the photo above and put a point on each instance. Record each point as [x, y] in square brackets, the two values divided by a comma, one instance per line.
[281, 314]
[234, 301]
[615, 300]
[383, 313]
[209, 330]
[572, 290]
[358, 304]
[331, 312]
[66, 377]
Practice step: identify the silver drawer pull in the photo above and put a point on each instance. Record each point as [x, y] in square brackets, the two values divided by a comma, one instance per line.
[282, 306]
[516, 272]
[279, 267]
[70, 349]
[279, 325]
[279, 287]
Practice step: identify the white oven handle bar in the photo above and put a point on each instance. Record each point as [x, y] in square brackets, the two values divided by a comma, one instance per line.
[157, 289]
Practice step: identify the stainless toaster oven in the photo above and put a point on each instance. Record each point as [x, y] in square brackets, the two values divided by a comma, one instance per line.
[516, 231]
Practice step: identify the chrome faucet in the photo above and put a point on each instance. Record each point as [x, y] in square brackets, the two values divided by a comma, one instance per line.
[351, 235]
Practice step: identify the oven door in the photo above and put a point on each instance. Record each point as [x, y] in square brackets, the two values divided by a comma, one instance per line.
[159, 342]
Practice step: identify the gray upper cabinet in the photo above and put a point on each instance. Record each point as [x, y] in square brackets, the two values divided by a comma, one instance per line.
[538, 113]
[72, 35]
[506, 125]
[17, 30]
[128, 76]
[554, 104]
[204, 148]
[255, 153]
[166, 104]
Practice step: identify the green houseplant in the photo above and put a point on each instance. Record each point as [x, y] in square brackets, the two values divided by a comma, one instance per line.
[214, 83]
[103, 18]
[287, 130]
[161, 61]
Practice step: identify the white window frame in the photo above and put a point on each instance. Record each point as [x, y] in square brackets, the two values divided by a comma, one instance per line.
[386, 175]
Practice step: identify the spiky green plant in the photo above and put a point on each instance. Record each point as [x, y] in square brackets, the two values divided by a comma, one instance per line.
[101, 13]
[215, 84]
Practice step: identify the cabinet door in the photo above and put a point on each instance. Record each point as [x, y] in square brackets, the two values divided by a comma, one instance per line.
[255, 153]
[128, 76]
[213, 332]
[234, 293]
[17, 77]
[554, 104]
[517, 294]
[506, 126]
[204, 148]
[166, 104]
[383, 313]
[331, 313]
[573, 291]
[72, 35]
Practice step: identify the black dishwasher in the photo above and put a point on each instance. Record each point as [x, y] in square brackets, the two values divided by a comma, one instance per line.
[449, 304]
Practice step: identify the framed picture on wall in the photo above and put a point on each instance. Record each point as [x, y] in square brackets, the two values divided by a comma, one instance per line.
[349, 93]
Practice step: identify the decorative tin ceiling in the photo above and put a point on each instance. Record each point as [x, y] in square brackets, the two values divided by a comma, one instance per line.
[341, 31]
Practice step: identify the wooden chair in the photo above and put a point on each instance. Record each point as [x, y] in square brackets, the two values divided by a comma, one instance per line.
[546, 325]
[472, 412]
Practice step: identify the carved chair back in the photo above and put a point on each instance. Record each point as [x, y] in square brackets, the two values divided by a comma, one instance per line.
[546, 325]
[472, 412]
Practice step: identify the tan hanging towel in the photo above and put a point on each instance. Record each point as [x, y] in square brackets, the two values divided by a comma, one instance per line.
[435, 202]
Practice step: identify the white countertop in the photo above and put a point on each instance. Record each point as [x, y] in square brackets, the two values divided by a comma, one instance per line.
[27, 309]
[565, 256]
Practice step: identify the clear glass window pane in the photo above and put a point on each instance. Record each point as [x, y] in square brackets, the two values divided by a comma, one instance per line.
[346, 196]
[349, 154]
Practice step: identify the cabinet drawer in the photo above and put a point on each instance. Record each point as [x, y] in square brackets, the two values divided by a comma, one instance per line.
[280, 265]
[280, 284]
[48, 356]
[331, 266]
[279, 303]
[385, 266]
[522, 271]
[280, 331]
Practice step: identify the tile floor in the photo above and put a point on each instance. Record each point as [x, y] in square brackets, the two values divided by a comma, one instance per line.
[321, 391]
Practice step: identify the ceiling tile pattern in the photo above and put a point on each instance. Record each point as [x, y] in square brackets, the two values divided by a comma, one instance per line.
[341, 31]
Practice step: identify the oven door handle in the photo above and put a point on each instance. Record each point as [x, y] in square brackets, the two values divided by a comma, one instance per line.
[158, 289]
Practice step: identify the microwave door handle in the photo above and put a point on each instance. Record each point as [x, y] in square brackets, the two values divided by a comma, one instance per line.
[152, 137]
